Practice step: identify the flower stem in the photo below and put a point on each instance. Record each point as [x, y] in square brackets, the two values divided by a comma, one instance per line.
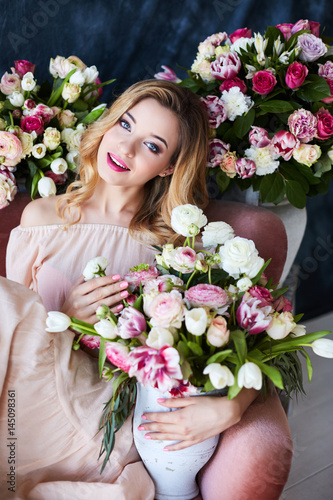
[190, 279]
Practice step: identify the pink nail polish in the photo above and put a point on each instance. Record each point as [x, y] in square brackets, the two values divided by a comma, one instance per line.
[120, 307]
[141, 428]
[165, 449]
[116, 277]
[123, 284]
[124, 294]
[143, 417]
[147, 436]
[160, 400]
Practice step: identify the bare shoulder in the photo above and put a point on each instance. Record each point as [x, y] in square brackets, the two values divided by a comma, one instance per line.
[40, 212]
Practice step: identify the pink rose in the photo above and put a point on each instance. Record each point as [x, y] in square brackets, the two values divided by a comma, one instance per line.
[91, 341]
[303, 124]
[205, 295]
[263, 82]
[10, 83]
[218, 333]
[328, 100]
[216, 110]
[245, 168]
[8, 188]
[252, 315]
[226, 66]
[228, 164]
[141, 274]
[259, 137]
[326, 70]
[233, 82]
[118, 354]
[217, 149]
[22, 67]
[32, 123]
[44, 112]
[158, 368]
[131, 323]
[283, 144]
[240, 33]
[58, 179]
[314, 27]
[285, 29]
[261, 293]
[324, 124]
[167, 74]
[302, 24]
[166, 309]
[282, 304]
[10, 148]
[296, 74]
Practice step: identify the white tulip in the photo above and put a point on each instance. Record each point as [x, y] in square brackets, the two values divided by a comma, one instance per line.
[159, 337]
[46, 187]
[105, 329]
[250, 376]
[16, 99]
[59, 166]
[95, 266]
[28, 82]
[38, 150]
[196, 320]
[57, 322]
[77, 77]
[219, 375]
[298, 331]
[73, 157]
[323, 348]
[90, 74]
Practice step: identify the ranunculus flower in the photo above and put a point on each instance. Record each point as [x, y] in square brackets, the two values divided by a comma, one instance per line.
[218, 333]
[131, 323]
[51, 138]
[281, 325]
[118, 354]
[252, 315]
[216, 111]
[245, 168]
[196, 320]
[38, 150]
[263, 82]
[159, 369]
[217, 149]
[283, 144]
[303, 124]
[106, 329]
[187, 220]
[28, 82]
[205, 295]
[16, 99]
[219, 375]
[22, 67]
[57, 322]
[261, 293]
[250, 376]
[163, 283]
[226, 66]
[216, 233]
[10, 148]
[228, 164]
[296, 74]
[259, 137]
[8, 188]
[71, 92]
[91, 341]
[285, 29]
[201, 66]
[167, 74]
[10, 83]
[240, 33]
[240, 256]
[72, 138]
[27, 141]
[307, 154]
[159, 337]
[44, 111]
[95, 267]
[312, 47]
[244, 284]
[141, 274]
[323, 347]
[183, 259]
[32, 124]
[66, 118]
[59, 166]
[233, 82]
[324, 124]
[166, 309]
[328, 100]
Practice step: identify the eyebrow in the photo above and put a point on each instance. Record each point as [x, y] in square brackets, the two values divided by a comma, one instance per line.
[153, 135]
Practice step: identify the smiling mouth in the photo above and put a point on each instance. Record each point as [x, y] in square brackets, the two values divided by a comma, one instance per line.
[116, 163]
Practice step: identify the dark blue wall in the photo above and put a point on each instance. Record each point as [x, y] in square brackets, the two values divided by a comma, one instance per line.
[129, 40]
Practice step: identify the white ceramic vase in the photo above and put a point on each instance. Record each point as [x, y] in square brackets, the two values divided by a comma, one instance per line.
[173, 472]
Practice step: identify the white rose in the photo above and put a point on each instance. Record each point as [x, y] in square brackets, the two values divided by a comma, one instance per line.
[46, 187]
[38, 150]
[71, 92]
[28, 82]
[244, 284]
[196, 320]
[219, 375]
[57, 322]
[159, 337]
[307, 154]
[60, 67]
[216, 233]
[281, 325]
[27, 141]
[90, 74]
[250, 376]
[323, 347]
[105, 329]
[240, 256]
[51, 138]
[187, 220]
[78, 78]
[16, 99]
[95, 266]
[59, 166]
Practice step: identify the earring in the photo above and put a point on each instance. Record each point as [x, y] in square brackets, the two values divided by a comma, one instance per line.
[164, 174]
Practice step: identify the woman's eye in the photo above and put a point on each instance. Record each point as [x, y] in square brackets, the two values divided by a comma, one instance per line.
[124, 124]
[153, 147]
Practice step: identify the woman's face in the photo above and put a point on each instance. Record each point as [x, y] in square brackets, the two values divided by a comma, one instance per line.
[140, 146]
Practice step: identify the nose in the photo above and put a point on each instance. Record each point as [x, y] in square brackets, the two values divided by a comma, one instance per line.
[127, 147]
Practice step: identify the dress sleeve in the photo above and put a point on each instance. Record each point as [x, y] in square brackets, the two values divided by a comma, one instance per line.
[22, 255]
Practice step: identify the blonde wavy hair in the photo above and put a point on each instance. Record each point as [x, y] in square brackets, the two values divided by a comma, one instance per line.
[187, 183]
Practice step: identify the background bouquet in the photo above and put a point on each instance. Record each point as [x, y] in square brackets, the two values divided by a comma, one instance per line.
[201, 319]
[41, 126]
[269, 101]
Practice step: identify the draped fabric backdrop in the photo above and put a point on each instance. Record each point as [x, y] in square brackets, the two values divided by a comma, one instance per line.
[130, 39]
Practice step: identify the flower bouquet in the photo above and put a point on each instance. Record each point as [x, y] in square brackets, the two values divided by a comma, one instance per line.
[201, 319]
[41, 126]
[269, 102]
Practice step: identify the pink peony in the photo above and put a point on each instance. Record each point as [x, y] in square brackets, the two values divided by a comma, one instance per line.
[165, 309]
[283, 144]
[259, 137]
[328, 100]
[32, 124]
[205, 295]
[252, 315]
[216, 110]
[285, 29]
[91, 341]
[167, 74]
[263, 82]
[324, 124]
[226, 66]
[312, 47]
[303, 124]
[233, 82]
[118, 354]
[245, 168]
[8, 188]
[10, 83]
[131, 323]
[296, 74]
[217, 149]
[261, 293]
[22, 67]
[141, 274]
[10, 148]
[158, 368]
[240, 33]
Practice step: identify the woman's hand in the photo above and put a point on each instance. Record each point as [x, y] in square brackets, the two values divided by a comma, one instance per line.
[196, 418]
[86, 296]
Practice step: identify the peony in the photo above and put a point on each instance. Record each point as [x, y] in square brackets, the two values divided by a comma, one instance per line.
[32, 124]
[283, 144]
[259, 137]
[165, 309]
[226, 66]
[240, 33]
[10, 148]
[240, 256]
[57, 322]
[253, 315]
[219, 375]
[307, 154]
[159, 337]
[216, 233]
[233, 82]
[281, 325]
[303, 124]
[216, 110]
[71, 92]
[312, 47]
[118, 355]
[228, 164]
[8, 188]
[167, 74]
[236, 102]
[95, 267]
[250, 376]
[105, 329]
[264, 159]
[51, 138]
[205, 295]
[131, 323]
[324, 124]
[187, 220]
[218, 333]
[263, 82]
[296, 74]
[217, 149]
[10, 83]
[196, 320]
[245, 168]
[28, 82]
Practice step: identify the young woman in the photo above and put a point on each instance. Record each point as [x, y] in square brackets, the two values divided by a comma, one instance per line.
[146, 156]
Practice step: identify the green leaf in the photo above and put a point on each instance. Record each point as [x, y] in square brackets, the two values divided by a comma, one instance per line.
[183, 350]
[234, 389]
[93, 115]
[276, 106]
[189, 83]
[222, 181]
[309, 366]
[294, 343]
[295, 194]
[238, 338]
[208, 386]
[219, 356]
[243, 123]
[138, 303]
[316, 90]
[271, 186]
[34, 184]
[57, 94]
[195, 348]
[289, 171]
[101, 356]
[322, 165]
[80, 105]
